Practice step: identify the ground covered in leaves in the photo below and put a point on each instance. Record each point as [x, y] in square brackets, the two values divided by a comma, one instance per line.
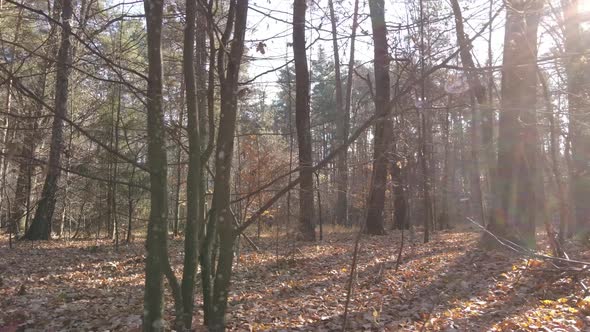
[448, 284]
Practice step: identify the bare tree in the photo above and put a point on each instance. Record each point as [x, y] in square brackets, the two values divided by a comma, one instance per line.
[302, 123]
[157, 261]
[221, 223]
[515, 191]
[341, 126]
[477, 98]
[383, 126]
[41, 225]
[578, 117]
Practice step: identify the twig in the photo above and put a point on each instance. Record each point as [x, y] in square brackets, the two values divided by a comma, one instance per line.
[351, 278]
[399, 254]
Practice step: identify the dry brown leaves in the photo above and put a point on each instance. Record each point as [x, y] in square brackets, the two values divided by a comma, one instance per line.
[446, 285]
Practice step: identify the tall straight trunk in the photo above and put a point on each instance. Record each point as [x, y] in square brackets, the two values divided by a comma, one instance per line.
[477, 208]
[221, 215]
[4, 152]
[13, 227]
[555, 170]
[179, 164]
[458, 161]
[579, 116]
[447, 183]
[425, 138]
[383, 127]
[31, 139]
[25, 169]
[193, 185]
[206, 114]
[115, 147]
[208, 226]
[157, 233]
[41, 225]
[341, 129]
[200, 60]
[347, 105]
[477, 93]
[302, 123]
[178, 184]
[554, 126]
[400, 202]
[130, 207]
[23, 189]
[207, 265]
[425, 129]
[66, 186]
[515, 192]
[488, 118]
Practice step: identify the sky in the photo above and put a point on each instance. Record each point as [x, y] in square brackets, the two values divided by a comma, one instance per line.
[268, 22]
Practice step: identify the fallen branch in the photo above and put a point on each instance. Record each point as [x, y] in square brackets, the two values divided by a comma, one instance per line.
[527, 252]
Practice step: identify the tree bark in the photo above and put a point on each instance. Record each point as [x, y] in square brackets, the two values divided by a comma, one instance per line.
[157, 233]
[579, 117]
[195, 173]
[302, 123]
[515, 193]
[477, 93]
[400, 202]
[447, 183]
[383, 126]
[341, 125]
[221, 215]
[41, 225]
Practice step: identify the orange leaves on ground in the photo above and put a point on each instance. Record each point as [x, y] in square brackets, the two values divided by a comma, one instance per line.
[448, 284]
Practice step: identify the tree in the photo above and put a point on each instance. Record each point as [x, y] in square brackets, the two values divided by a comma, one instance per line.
[157, 234]
[41, 225]
[477, 98]
[341, 130]
[515, 194]
[579, 116]
[302, 123]
[193, 229]
[383, 126]
[216, 277]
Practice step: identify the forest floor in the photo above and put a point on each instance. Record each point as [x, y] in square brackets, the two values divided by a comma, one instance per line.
[448, 284]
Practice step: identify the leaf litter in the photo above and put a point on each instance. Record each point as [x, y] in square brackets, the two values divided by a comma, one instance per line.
[449, 284]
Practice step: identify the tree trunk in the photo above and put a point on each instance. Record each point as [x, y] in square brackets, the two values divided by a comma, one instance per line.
[477, 93]
[425, 130]
[400, 202]
[41, 225]
[341, 126]
[488, 118]
[447, 183]
[383, 126]
[515, 192]
[554, 125]
[157, 233]
[193, 185]
[221, 215]
[130, 207]
[23, 188]
[425, 138]
[302, 123]
[579, 117]
[178, 184]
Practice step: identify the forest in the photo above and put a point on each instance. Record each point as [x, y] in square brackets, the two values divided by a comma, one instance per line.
[294, 165]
